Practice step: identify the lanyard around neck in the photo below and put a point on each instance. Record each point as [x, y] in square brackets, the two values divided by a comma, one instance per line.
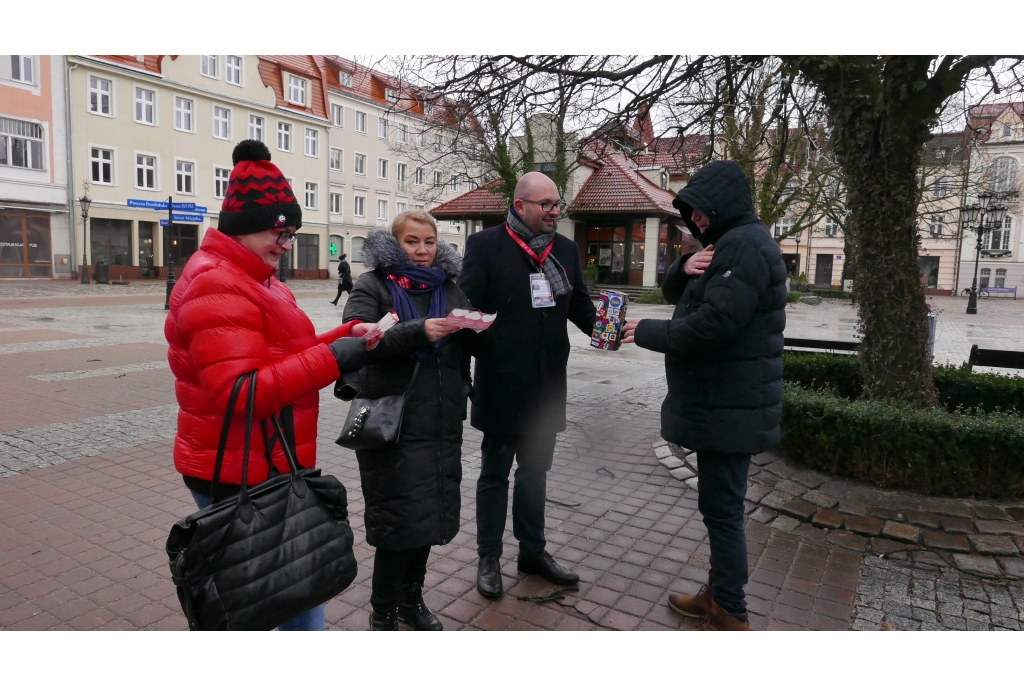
[527, 249]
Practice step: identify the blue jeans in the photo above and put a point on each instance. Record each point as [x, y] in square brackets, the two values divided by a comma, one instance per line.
[721, 487]
[307, 620]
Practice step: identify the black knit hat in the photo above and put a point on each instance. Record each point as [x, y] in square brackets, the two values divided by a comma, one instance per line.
[258, 196]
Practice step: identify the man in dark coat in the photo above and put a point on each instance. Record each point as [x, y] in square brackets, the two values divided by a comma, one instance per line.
[344, 279]
[723, 363]
[532, 278]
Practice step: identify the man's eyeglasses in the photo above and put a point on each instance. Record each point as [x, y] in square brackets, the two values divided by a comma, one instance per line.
[548, 206]
[287, 237]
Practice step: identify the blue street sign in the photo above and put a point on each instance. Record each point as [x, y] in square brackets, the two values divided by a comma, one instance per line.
[188, 218]
[162, 206]
[164, 223]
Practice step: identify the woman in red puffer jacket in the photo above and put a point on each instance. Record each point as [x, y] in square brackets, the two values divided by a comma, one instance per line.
[229, 316]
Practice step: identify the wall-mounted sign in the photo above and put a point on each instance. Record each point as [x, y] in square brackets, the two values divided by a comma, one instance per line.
[162, 206]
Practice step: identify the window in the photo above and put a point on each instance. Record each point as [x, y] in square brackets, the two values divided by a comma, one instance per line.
[832, 191]
[400, 207]
[940, 153]
[312, 190]
[110, 241]
[296, 90]
[438, 142]
[255, 127]
[338, 116]
[986, 274]
[400, 171]
[663, 180]
[145, 106]
[831, 227]
[1004, 172]
[336, 246]
[391, 95]
[1000, 237]
[307, 251]
[284, 136]
[360, 122]
[382, 169]
[1000, 278]
[421, 140]
[357, 249]
[359, 209]
[21, 68]
[929, 271]
[208, 65]
[233, 70]
[382, 210]
[941, 187]
[336, 159]
[184, 177]
[1007, 130]
[221, 176]
[360, 165]
[102, 165]
[419, 176]
[936, 227]
[221, 123]
[453, 185]
[145, 172]
[428, 109]
[345, 79]
[183, 113]
[21, 144]
[335, 203]
[403, 133]
[382, 127]
[312, 143]
[437, 179]
[782, 226]
[99, 96]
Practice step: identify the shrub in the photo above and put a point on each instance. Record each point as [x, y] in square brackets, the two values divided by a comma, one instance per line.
[590, 272]
[834, 294]
[651, 296]
[793, 296]
[890, 444]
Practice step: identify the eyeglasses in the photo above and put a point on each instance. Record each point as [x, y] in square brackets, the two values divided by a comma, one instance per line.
[286, 237]
[547, 206]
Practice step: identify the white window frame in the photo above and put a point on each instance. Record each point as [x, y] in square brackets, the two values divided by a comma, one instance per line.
[109, 162]
[382, 128]
[190, 114]
[403, 133]
[359, 206]
[831, 229]
[143, 168]
[401, 207]
[999, 238]
[311, 197]
[361, 122]
[345, 79]
[438, 142]
[334, 203]
[296, 87]
[284, 129]
[391, 95]
[783, 225]
[239, 70]
[208, 66]
[1000, 278]
[179, 173]
[221, 178]
[419, 176]
[453, 183]
[1007, 130]
[221, 124]
[257, 127]
[338, 115]
[936, 226]
[311, 142]
[24, 60]
[98, 91]
[382, 168]
[382, 204]
[337, 155]
[1002, 180]
[33, 134]
[359, 163]
[941, 188]
[141, 104]
[438, 180]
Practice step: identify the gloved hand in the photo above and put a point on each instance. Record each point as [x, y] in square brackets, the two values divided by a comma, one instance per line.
[349, 353]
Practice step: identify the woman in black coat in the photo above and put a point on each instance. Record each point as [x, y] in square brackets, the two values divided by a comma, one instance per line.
[412, 491]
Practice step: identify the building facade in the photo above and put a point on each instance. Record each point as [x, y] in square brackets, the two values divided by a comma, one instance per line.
[36, 229]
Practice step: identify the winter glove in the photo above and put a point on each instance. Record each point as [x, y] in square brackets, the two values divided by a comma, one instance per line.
[349, 353]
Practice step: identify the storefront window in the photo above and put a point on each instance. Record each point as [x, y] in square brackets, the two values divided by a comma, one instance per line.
[308, 251]
[336, 247]
[929, 271]
[24, 245]
[146, 229]
[111, 241]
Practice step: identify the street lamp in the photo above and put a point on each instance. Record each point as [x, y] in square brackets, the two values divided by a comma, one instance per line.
[796, 276]
[85, 201]
[987, 220]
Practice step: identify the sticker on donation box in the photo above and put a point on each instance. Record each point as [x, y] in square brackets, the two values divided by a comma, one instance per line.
[540, 291]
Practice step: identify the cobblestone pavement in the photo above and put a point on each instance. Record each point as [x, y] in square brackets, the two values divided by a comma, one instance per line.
[90, 494]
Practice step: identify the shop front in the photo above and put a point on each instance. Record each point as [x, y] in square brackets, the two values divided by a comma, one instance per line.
[25, 244]
[618, 249]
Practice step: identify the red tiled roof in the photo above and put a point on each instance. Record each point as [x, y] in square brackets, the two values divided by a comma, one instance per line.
[483, 201]
[270, 68]
[149, 63]
[617, 187]
[981, 117]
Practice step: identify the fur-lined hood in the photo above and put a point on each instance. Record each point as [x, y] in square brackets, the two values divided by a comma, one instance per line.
[381, 250]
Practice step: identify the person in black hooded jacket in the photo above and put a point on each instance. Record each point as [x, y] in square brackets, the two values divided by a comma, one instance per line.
[412, 491]
[723, 364]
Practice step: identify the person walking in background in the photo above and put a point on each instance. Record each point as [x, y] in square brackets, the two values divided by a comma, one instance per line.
[723, 363]
[344, 279]
[532, 278]
[412, 490]
[229, 316]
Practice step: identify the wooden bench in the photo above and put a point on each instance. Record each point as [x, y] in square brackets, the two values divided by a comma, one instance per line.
[1005, 359]
[813, 346]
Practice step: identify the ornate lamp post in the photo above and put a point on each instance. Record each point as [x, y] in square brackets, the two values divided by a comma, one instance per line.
[85, 201]
[986, 219]
[796, 276]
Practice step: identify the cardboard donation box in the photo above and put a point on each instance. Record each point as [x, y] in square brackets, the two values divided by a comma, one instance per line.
[611, 315]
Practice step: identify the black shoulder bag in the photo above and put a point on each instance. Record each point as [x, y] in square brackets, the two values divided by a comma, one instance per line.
[267, 554]
[377, 423]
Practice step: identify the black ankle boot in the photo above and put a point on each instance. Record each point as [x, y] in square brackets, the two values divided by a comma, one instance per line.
[388, 621]
[413, 611]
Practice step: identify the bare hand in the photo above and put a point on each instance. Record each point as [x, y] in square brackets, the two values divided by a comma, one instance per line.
[696, 265]
[368, 331]
[629, 330]
[438, 328]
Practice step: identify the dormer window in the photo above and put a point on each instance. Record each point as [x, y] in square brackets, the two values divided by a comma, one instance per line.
[345, 79]
[428, 109]
[1007, 130]
[296, 90]
[940, 153]
[391, 95]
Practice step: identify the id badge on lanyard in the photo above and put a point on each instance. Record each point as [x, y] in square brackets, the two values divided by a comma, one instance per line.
[540, 291]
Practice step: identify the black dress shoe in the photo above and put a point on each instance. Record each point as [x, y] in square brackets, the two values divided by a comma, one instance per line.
[547, 568]
[413, 611]
[488, 577]
[388, 621]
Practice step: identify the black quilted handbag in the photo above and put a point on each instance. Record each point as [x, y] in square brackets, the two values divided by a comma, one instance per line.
[376, 423]
[271, 552]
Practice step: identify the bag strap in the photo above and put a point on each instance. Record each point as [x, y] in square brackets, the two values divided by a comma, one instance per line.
[228, 416]
[411, 380]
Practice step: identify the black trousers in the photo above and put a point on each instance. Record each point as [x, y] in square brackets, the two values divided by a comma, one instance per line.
[533, 455]
[721, 488]
[342, 289]
[395, 573]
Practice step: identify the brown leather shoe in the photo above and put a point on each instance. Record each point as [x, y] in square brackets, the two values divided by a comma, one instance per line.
[694, 606]
[720, 619]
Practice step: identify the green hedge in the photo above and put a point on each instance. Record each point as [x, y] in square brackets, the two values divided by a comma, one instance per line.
[932, 451]
[958, 388]
[793, 296]
[834, 294]
[651, 296]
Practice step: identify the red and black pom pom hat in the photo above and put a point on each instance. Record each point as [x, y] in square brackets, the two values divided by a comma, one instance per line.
[258, 196]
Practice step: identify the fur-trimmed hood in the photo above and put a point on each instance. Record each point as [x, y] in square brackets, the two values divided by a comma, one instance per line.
[381, 250]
